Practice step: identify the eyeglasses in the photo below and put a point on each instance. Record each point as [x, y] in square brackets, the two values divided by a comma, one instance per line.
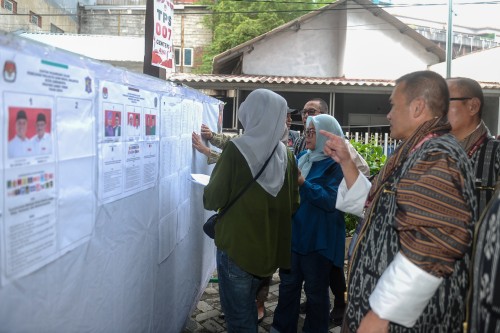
[310, 132]
[309, 112]
[460, 98]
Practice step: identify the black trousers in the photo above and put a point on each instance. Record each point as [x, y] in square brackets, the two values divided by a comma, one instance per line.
[337, 285]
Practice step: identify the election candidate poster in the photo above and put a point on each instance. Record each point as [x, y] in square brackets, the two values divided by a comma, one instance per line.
[128, 140]
[36, 158]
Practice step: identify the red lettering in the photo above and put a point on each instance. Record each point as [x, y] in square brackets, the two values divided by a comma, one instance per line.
[158, 29]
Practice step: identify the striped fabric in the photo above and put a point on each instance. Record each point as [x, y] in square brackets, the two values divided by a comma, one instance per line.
[300, 145]
[421, 204]
[433, 218]
[484, 152]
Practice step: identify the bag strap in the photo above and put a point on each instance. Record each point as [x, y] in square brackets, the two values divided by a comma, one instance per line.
[223, 211]
[485, 173]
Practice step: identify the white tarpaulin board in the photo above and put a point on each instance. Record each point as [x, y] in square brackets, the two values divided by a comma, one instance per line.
[71, 262]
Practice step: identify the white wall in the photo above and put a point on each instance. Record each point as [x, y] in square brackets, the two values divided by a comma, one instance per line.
[376, 49]
[480, 66]
[310, 51]
[336, 43]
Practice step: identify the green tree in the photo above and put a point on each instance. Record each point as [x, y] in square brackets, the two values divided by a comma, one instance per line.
[234, 22]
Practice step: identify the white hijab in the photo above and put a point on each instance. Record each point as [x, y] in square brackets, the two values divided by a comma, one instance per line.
[321, 122]
[263, 116]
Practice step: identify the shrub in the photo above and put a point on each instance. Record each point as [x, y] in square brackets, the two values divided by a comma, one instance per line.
[375, 158]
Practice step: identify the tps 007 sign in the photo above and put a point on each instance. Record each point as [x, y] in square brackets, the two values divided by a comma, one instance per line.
[163, 49]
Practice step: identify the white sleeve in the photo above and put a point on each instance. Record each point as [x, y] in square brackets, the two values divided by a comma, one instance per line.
[358, 160]
[403, 291]
[353, 200]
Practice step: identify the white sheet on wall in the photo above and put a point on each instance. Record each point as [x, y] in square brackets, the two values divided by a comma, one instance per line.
[128, 269]
[42, 128]
[171, 111]
[128, 139]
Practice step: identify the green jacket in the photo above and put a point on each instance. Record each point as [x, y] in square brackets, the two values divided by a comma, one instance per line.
[256, 231]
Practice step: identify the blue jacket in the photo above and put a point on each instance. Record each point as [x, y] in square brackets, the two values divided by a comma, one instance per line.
[317, 224]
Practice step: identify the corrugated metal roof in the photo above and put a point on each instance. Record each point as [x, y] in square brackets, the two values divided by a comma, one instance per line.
[210, 81]
[227, 78]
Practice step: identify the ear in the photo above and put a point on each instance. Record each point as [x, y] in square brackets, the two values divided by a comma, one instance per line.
[417, 107]
[473, 107]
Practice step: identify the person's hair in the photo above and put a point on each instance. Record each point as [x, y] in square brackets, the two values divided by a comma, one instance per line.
[429, 85]
[41, 117]
[469, 88]
[21, 114]
[323, 107]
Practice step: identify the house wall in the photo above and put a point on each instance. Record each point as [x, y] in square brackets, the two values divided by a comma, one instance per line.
[196, 35]
[322, 47]
[376, 49]
[357, 106]
[312, 50]
[481, 66]
[189, 31]
[109, 21]
[10, 22]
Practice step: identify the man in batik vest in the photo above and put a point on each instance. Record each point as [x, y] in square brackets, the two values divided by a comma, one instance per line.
[464, 115]
[466, 106]
[408, 271]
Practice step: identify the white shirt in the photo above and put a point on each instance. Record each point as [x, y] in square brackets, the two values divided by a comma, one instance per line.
[353, 200]
[358, 160]
[42, 146]
[19, 147]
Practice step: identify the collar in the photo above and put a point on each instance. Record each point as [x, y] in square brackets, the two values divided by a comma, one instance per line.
[475, 139]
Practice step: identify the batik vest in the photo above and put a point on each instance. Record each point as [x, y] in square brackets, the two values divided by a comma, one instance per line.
[484, 304]
[378, 244]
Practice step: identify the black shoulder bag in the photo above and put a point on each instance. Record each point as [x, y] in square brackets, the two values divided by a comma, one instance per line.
[209, 226]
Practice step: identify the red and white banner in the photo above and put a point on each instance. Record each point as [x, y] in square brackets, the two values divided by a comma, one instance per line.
[163, 48]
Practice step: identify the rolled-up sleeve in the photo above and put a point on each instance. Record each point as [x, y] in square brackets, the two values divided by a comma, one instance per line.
[352, 200]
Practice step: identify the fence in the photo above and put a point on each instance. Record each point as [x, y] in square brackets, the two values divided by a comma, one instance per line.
[379, 139]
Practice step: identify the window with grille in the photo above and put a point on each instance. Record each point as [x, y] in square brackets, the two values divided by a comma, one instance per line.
[177, 56]
[187, 57]
[35, 19]
[10, 5]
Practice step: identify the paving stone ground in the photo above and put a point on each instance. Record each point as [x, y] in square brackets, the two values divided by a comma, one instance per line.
[206, 317]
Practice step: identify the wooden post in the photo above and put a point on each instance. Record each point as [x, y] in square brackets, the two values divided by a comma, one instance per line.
[149, 29]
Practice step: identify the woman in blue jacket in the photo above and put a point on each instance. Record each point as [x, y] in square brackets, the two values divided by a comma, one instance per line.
[318, 235]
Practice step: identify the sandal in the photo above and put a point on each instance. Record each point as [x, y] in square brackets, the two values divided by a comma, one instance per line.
[260, 319]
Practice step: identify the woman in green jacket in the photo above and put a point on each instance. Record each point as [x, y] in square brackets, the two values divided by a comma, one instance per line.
[253, 237]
